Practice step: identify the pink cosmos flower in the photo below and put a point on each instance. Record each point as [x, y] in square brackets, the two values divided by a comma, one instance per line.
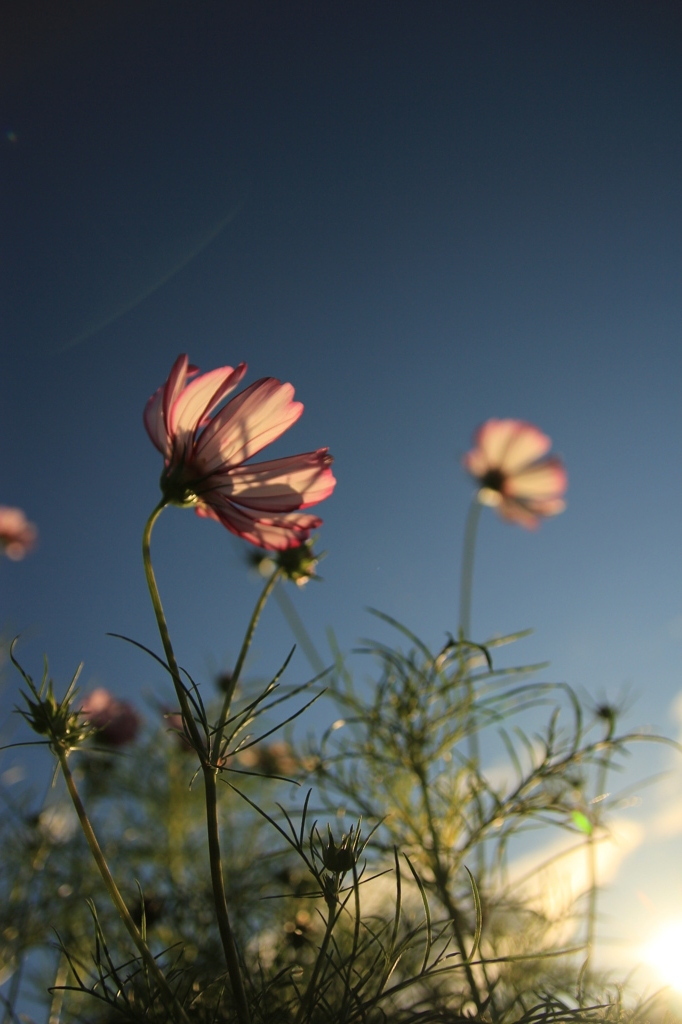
[116, 722]
[206, 454]
[512, 474]
[17, 535]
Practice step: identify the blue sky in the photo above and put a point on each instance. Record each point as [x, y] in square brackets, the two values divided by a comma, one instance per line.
[420, 214]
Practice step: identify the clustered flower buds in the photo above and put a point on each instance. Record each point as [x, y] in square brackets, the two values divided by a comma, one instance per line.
[55, 719]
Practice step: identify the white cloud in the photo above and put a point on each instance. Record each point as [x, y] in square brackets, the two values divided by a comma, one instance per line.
[552, 877]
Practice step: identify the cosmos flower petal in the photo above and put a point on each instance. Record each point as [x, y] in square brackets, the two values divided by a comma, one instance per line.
[274, 533]
[544, 480]
[530, 513]
[157, 412]
[198, 400]
[249, 422]
[506, 445]
[548, 506]
[491, 441]
[525, 445]
[475, 462]
[282, 484]
[517, 512]
[155, 423]
[173, 387]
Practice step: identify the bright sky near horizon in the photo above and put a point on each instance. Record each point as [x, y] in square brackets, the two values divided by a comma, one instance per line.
[422, 214]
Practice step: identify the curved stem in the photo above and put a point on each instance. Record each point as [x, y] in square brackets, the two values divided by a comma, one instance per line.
[467, 577]
[187, 716]
[171, 1001]
[234, 679]
[219, 898]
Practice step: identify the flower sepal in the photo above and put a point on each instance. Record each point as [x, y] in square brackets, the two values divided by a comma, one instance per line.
[177, 491]
[296, 564]
[58, 720]
[341, 858]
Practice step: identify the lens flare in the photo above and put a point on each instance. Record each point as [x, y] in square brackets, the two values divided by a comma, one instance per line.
[662, 952]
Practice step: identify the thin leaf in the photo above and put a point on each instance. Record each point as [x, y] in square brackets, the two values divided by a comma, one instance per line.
[479, 914]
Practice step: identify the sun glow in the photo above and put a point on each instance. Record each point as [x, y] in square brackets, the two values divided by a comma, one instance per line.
[662, 952]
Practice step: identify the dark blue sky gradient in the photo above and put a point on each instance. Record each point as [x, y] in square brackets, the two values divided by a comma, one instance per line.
[443, 211]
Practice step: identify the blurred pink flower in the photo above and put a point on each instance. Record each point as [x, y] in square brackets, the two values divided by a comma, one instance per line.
[116, 722]
[17, 535]
[512, 474]
[206, 454]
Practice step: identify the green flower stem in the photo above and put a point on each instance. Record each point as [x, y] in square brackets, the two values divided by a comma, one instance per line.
[464, 633]
[441, 878]
[309, 995]
[171, 1001]
[467, 578]
[234, 679]
[220, 898]
[210, 789]
[187, 716]
[592, 874]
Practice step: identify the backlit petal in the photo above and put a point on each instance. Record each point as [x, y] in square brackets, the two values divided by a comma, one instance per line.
[249, 422]
[475, 462]
[507, 445]
[177, 379]
[154, 422]
[491, 441]
[274, 533]
[548, 506]
[529, 513]
[516, 512]
[546, 479]
[200, 398]
[281, 485]
[526, 444]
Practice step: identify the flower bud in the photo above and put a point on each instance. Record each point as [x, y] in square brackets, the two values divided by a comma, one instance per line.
[296, 564]
[342, 858]
[55, 719]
